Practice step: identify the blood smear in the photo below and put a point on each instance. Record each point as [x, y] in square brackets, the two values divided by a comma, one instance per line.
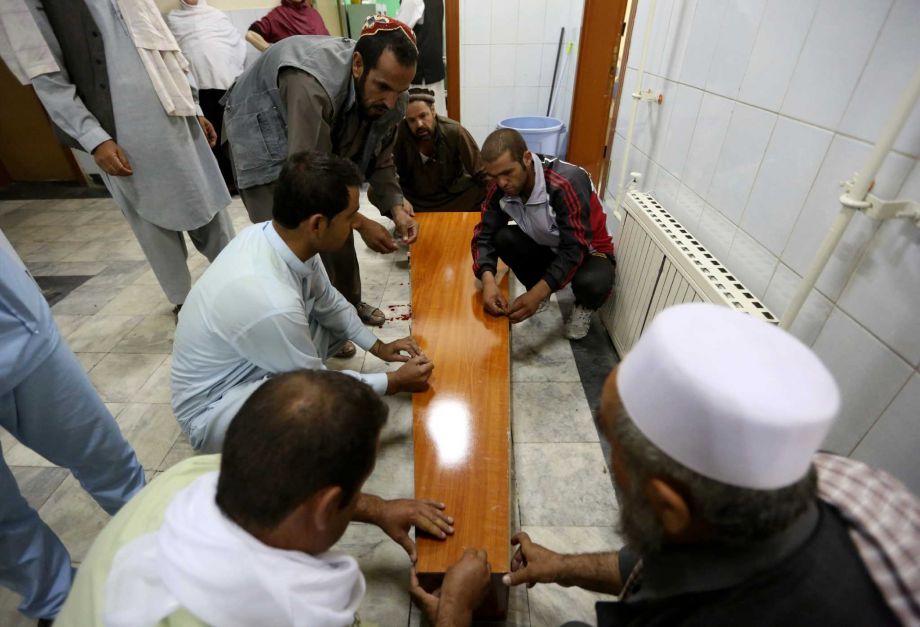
[400, 312]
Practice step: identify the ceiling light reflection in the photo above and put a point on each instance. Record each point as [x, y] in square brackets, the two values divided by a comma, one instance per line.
[449, 428]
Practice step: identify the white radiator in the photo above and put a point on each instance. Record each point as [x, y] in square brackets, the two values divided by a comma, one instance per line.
[659, 263]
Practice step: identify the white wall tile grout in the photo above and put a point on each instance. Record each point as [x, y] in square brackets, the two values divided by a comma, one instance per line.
[756, 174]
[881, 413]
[784, 115]
[802, 208]
[875, 42]
[798, 57]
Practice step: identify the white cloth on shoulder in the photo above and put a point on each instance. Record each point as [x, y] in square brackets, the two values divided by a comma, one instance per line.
[22, 47]
[160, 53]
[201, 561]
[210, 41]
[27, 54]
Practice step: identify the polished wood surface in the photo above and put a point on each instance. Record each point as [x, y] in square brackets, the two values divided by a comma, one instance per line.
[462, 423]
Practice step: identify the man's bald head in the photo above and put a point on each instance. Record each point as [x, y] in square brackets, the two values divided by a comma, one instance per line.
[299, 432]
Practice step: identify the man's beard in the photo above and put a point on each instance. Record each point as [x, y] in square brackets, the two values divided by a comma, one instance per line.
[372, 113]
[422, 133]
[637, 524]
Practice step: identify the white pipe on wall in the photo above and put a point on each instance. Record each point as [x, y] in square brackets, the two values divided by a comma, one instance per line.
[855, 197]
[624, 167]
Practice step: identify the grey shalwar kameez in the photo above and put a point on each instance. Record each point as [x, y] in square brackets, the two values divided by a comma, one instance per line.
[176, 185]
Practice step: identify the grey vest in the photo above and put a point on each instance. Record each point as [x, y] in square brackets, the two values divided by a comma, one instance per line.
[84, 59]
[255, 119]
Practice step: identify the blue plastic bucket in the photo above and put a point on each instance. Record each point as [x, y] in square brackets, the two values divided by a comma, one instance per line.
[542, 134]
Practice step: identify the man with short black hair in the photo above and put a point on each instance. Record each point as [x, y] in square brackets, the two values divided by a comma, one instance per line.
[729, 515]
[250, 544]
[266, 305]
[437, 159]
[335, 95]
[559, 236]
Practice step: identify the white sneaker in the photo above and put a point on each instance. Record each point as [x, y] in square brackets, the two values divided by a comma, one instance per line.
[543, 306]
[579, 323]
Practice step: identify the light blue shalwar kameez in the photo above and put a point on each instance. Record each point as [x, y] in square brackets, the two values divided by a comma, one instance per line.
[48, 403]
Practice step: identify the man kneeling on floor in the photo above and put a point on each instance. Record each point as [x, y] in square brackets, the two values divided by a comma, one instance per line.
[559, 236]
[730, 517]
[437, 160]
[250, 544]
[266, 305]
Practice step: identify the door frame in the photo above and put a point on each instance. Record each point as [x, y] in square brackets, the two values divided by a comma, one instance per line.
[452, 50]
[593, 105]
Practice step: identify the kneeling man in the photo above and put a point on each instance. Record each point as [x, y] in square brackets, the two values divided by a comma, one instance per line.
[730, 517]
[437, 160]
[559, 236]
[250, 544]
[266, 305]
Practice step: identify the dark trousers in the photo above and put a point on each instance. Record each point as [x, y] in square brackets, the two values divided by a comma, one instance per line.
[591, 284]
[341, 266]
[209, 99]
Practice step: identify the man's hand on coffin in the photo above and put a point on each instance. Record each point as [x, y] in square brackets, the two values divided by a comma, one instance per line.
[465, 585]
[402, 349]
[404, 217]
[412, 376]
[398, 516]
[493, 301]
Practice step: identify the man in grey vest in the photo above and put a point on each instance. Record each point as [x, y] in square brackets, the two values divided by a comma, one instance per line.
[331, 95]
[115, 85]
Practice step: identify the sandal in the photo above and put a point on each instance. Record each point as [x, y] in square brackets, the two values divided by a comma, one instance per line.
[347, 351]
[371, 315]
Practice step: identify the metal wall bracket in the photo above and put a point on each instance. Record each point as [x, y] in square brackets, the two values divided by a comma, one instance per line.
[648, 94]
[880, 209]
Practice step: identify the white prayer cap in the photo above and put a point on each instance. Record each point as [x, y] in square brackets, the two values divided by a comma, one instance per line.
[729, 396]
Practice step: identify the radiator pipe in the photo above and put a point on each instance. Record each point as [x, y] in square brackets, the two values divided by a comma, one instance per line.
[624, 167]
[854, 198]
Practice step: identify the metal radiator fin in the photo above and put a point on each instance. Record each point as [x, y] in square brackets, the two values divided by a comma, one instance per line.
[659, 264]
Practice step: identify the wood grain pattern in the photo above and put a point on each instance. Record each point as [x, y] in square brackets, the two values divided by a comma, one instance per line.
[462, 423]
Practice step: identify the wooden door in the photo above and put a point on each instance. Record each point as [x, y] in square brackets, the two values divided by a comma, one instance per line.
[29, 150]
[602, 27]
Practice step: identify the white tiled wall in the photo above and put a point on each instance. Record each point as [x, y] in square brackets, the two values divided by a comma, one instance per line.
[508, 50]
[768, 105]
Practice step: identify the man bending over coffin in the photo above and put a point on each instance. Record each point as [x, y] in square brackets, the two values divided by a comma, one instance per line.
[245, 538]
[437, 160]
[330, 95]
[559, 236]
[267, 306]
[730, 518]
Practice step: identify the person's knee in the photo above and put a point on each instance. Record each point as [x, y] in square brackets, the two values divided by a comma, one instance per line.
[592, 284]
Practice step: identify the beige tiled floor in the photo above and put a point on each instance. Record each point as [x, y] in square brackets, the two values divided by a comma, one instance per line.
[119, 325]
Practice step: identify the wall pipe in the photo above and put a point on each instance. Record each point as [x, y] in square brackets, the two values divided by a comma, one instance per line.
[854, 198]
[624, 168]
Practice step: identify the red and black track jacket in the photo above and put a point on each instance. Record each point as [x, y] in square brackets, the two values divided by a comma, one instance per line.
[572, 208]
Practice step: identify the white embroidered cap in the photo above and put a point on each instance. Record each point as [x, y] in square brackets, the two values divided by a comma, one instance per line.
[729, 396]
